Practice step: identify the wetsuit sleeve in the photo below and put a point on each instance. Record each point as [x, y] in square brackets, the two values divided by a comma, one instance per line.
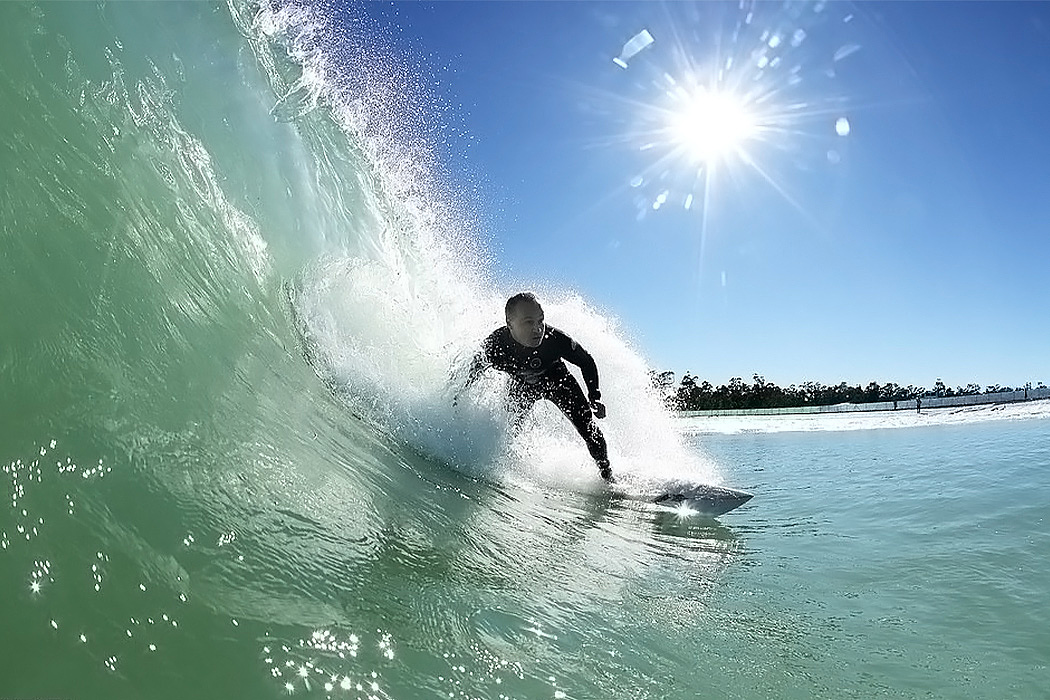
[477, 366]
[481, 361]
[574, 353]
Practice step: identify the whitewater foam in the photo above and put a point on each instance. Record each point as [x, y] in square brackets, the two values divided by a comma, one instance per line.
[401, 293]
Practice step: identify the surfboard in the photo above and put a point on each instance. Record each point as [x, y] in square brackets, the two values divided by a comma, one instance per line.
[703, 499]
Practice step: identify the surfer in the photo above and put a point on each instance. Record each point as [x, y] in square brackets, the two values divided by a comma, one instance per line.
[531, 352]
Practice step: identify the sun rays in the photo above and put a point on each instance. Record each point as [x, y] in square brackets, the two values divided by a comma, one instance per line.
[738, 98]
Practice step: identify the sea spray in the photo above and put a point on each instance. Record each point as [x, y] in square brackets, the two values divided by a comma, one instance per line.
[181, 263]
[394, 347]
[396, 307]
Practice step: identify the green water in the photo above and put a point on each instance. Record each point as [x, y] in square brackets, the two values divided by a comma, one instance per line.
[230, 468]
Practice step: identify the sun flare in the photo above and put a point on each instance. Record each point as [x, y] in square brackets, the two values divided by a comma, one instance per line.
[728, 95]
[710, 125]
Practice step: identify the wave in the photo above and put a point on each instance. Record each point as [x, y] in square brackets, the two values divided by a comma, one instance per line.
[190, 221]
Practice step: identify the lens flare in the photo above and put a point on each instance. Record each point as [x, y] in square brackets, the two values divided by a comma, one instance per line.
[742, 94]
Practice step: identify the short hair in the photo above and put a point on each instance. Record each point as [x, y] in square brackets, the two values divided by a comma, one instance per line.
[520, 298]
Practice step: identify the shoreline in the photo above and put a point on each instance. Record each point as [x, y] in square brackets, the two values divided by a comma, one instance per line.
[739, 423]
[927, 402]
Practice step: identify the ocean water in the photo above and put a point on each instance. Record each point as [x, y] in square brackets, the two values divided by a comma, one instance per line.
[234, 290]
[890, 556]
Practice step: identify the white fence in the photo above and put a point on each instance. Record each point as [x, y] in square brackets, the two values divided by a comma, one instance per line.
[926, 402]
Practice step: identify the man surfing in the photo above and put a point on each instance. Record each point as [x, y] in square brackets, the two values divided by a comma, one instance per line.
[532, 353]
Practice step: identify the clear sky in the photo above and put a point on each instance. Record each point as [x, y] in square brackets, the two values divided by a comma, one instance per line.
[808, 191]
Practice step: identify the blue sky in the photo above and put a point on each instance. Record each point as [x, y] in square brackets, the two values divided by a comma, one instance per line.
[915, 247]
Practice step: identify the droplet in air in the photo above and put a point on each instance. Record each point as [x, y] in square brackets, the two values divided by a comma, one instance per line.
[633, 46]
[847, 50]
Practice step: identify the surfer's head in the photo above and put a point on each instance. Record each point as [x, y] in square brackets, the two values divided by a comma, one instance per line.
[525, 319]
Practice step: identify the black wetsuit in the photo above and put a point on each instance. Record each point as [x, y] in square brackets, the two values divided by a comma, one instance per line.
[539, 373]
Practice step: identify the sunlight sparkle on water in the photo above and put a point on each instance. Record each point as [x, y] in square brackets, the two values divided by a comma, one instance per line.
[684, 511]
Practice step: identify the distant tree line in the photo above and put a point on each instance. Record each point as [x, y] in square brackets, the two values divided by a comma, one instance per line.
[693, 394]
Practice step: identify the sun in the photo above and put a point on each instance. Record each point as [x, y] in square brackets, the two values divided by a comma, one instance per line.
[723, 96]
[710, 125]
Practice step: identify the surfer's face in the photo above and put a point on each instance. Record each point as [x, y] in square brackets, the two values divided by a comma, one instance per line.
[526, 324]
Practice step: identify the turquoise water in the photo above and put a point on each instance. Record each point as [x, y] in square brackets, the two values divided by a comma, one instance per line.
[233, 293]
[894, 562]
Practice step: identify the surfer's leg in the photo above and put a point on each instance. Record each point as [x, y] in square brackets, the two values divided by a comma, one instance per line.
[567, 395]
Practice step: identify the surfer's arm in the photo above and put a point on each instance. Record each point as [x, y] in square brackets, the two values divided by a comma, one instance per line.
[575, 354]
[478, 364]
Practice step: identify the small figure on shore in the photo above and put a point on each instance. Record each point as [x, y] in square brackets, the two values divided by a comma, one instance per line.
[918, 404]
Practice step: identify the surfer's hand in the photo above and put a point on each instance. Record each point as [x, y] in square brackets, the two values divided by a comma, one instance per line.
[598, 408]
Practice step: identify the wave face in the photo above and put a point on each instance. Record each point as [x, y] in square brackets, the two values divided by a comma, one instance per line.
[234, 292]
